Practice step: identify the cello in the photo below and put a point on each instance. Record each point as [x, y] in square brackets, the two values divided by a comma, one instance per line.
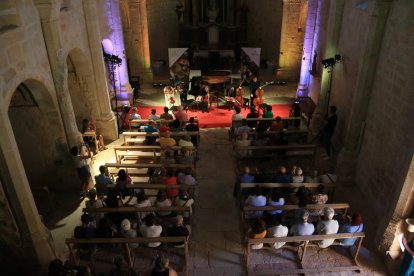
[259, 94]
[239, 99]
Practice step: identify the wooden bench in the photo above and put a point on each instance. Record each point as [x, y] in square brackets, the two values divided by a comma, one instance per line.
[141, 169]
[154, 186]
[137, 152]
[336, 206]
[130, 256]
[300, 256]
[291, 150]
[146, 121]
[129, 136]
[300, 134]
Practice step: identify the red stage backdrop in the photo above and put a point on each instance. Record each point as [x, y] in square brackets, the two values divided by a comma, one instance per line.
[217, 117]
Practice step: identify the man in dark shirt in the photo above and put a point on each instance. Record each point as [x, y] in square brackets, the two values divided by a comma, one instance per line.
[85, 231]
[329, 130]
[192, 126]
[178, 230]
[254, 115]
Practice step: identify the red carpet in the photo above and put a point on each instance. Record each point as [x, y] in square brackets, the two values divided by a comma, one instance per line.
[217, 117]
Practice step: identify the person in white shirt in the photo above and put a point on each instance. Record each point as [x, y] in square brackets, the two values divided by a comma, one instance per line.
[151, 230]
[142, 201]
[256, 199]
[153, 115]
[134, 116]
[236, 118]
[327, 226]
[185, 142]
[278, 231]
[304, 228]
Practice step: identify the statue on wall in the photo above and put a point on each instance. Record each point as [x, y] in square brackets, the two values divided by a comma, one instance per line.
[314, 70]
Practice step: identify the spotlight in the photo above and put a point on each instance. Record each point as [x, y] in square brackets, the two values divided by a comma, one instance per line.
[328, 62]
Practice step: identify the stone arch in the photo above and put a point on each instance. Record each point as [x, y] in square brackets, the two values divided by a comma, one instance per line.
[80, 83]
[38, 132]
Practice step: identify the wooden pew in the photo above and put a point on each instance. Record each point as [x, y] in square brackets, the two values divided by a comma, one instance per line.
[154, 186]
[289, 133]
[136, 152]
[72, 242]
[291, 150]
[129, 136]
[300, 257]
[145, 121]
[141, 169]
[336, 206]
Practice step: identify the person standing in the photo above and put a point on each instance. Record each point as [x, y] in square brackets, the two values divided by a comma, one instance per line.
[329, 130]
[253, 86]
[82, 166]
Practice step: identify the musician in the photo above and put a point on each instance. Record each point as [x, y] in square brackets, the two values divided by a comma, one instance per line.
[169, 96]
[195, 88]
[253, 86]
[183, 93]
[204, 99]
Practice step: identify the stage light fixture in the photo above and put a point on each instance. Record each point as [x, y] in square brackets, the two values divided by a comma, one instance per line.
[329, 62]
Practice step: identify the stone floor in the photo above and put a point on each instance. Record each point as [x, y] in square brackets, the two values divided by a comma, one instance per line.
[216, 240]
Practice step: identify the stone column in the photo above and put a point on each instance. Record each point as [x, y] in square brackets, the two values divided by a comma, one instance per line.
[32, 235]
[105, 118]
[306, 66]
[112, 30]
[138, 35]
[291, 42]
[362, 94]
[57, 59]
[336, 10]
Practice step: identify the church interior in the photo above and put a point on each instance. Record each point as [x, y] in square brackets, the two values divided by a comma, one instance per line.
[67, 62]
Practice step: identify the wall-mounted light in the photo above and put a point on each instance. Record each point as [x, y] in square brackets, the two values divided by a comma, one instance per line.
[329, 62]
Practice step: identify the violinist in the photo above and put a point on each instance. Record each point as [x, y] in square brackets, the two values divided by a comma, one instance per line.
[253, 86]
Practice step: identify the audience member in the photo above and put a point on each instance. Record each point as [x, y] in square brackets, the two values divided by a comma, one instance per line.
[170, 179]
[166, 115]
[352, 225]
[151, 230]
[167, 158]
[277, 125]
[184, 200]
[303, 228]
[85, 231]
[122, 183]
[134, 116]
[102, 180]
[122, 268]
[297, 176]
[276, 199]
[327, 226]
[142, 201]
[185, 156]
[94, 202]
[187, 177]
[181, 115]
[153, 115]
[90, 126]
[185, 142]
[256, 199]
[192, 126]
[245, 177]
[243, 142]
[163, 201]
[150, 128]
[278, 231]
[178, 230]
[320, 197]
[166, 143]
[128, 232]
[236, 118]
[163, 129]
[257, 231]
[244, 128]
[82, 167]
[252, 115]
[407, 244]
[282, 176]
[162, 267]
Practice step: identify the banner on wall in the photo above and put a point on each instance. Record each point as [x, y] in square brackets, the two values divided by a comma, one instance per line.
[250, 61]
[179, 63]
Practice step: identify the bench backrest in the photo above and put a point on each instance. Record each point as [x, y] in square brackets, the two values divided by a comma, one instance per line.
[148, 165]
[136, 209]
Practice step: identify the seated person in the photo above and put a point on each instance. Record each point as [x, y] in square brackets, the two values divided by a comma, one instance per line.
[163, 129]
[192, 126]
[353, 225]
[178, 230]
[106, 231]
[142, 201]
[278, 231]
[277, 125]
[175, 126]
[303, 228]
[95, 202]
[282, 176]
[90, 126]
[121, 267]
[320, 197]
[276, 199]
[167, 158]
[153, 115]
[257, 231]
[184, 200]
[244, 128]
[297, 176]
[102, 180]
[264, 125]
[85, 231]
[163, 201]
[170, 179]
[243, 142]
[185, 157]
[252, 115]
[134, 116]
[185, 142]
[150, 128]
[236, 118]
[166, 142]
[327, 226]
[127, 232]
[256, 199]
[181, 115]
[162, 267]
[187, 177]
[122, 183]
[151, 229]
[166, 115]
[245, 177]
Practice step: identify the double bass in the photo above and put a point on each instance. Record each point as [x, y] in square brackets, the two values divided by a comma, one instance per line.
[239, 99]
[259, 94]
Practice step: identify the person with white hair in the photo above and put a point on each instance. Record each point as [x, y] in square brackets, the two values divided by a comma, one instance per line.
[181, 115]
[297, 176]
[128, 232]
[303, 228]
[327, 226]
